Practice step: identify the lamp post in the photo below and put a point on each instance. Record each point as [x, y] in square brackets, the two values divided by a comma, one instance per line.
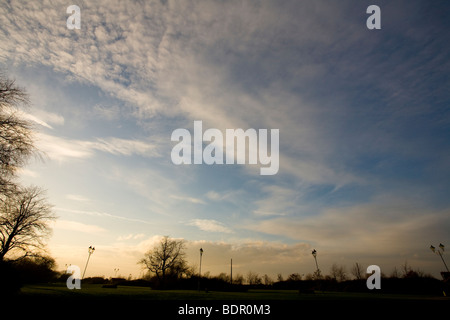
[314, 253]
[200, 269]
[231, 272]
[440, 251]
[201, 254]
[91, 250]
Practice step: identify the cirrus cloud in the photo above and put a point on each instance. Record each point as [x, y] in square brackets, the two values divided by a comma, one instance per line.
[210, 225]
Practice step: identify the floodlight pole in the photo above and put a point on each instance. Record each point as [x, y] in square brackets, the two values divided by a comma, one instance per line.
[314, 253]
[439, 252]
[200, 269]
[91, 250]
[231, 272]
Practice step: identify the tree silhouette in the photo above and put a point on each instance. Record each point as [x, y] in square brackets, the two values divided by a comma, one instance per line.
[338, 273]
[16, 143]
[165, 258]
[24, 212]
[24, 218]
[253, 278]
[357, 271]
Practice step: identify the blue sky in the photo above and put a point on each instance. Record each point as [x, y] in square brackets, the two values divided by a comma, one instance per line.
[363, 118]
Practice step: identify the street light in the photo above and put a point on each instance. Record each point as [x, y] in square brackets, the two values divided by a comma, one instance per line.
[314, 253]
[91, 250]
[440, 251]
[201, 254]
[200, 269]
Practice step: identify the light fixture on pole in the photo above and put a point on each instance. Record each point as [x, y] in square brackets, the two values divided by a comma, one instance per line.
[314, 253]
[200, 268]
[440, 251]
[201, 254]
[91, 250]
[231, 271]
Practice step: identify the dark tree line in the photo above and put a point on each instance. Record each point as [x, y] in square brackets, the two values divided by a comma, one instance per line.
[168, 269]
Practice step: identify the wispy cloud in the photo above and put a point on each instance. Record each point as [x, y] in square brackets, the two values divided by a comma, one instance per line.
[28, 172]
[210, 225]
[102, 214]
[188, 199]
[278, 201]
[60, 149]
[77, 197]
[160, 72]
[124, 147]
[233, 196]
[78, 227]
[106, 112]
[131, 236]
[36, 120]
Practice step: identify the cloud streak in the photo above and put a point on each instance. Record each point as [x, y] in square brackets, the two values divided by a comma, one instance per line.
[78, 227]
[210, 225]
[60, 149]
[102, 214]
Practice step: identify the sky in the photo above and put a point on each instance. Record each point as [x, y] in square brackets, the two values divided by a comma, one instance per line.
[363, 118]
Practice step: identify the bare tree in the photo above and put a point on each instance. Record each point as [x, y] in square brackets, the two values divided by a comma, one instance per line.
[338, 272]
[357, 271]
[253, 278]
[238, 279]
[406, 269]
[223, 277]
[267, 280]
[309, 276]
[166, 258]
[395, 273]
[24, 223]
[16, 143]
[280, 277]
[294, 277]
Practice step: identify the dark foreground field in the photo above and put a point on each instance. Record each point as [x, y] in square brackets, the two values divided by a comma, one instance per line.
[97, 292]
[264, 304]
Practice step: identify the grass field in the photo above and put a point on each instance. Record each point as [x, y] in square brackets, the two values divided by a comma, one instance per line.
[129, 301]
[95, 291]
